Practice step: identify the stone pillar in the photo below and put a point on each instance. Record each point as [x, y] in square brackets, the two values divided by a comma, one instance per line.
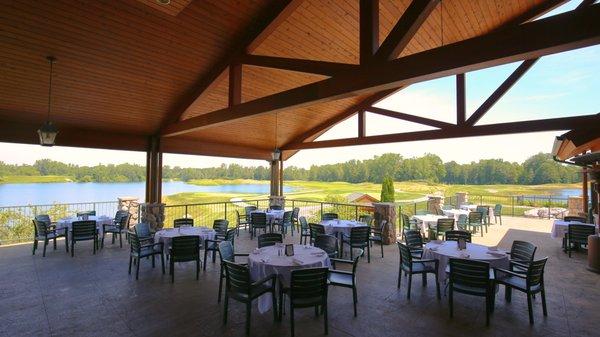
[461, 198]
[575, 206]
[153, 214]
[277, 200]
[387, 211]
[434, 204]
[132, 205]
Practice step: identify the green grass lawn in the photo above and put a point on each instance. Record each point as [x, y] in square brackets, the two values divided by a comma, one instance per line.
[34, 179]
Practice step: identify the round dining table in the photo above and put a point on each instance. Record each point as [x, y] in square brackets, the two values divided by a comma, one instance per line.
[560, 227]
[273, 215]
[272, 260]
[339, 227]
[165, 235]
[444, 250]
[100, 221]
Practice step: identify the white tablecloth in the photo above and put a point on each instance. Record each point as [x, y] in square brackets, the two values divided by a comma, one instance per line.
[449, 249]
[100, 220]
[266, 261]
[560, 227]
[455, 213]
[165, 235]
[272, 215]
[334, 227]
[427, 221]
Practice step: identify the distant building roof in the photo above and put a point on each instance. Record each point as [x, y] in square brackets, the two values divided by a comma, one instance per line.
[357, 197]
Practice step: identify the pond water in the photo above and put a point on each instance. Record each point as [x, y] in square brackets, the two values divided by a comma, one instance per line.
[48, 193]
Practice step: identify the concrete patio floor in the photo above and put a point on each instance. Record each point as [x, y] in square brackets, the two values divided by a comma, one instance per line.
[92, 295]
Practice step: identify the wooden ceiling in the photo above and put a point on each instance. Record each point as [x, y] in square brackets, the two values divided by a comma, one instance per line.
[125, 67]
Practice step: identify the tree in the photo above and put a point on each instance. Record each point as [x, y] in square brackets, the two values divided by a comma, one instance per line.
[387, 190]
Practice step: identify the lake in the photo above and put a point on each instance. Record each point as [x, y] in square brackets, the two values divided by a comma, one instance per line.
[49, 193]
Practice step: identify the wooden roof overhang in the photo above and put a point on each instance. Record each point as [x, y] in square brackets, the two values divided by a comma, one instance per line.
[240, 78]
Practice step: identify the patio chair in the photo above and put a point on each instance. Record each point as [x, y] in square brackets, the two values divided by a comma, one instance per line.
[485, 214]
[531, 283]
[183, 222]
[286, 223]
[269, 239]
[574, 218]
[295, 219]
[463, 222]
[120, 223]
[83, 231]
[471, 277]
[304, 230]
[308, 288]
[220, 226]
[475, 222]
[184, 249]
[139, 250]
[521, 254]
[377, 234]
[226, 253]
[577, 236]
[328, 243]
[315, 230]
[414, 241]
[411, 266]
[358, 238]
[85, 213]
[213, 245]
[443, 225]
[248, 211]
[44, 231]
[456, 235]
[329, 216]
[276, 207]
[45, 218]
[498, 213]
[238, 286]
[242, 222]
[259, 221]
[143, 232]
[344, 278]
[366, 219]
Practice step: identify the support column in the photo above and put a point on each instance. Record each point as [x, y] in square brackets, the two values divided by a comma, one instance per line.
[281, 178]
[153, 171]
[275, 178]
[584, 191]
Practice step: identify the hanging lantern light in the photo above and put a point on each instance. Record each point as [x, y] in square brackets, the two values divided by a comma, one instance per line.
[48, 131]
[276, 154]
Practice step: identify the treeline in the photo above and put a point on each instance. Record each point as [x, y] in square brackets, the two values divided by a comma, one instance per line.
[538, 169]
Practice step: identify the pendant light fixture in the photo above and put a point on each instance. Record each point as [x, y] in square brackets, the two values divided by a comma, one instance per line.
[48, 131]
[276, 155]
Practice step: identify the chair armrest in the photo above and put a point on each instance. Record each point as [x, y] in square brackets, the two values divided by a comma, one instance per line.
[425, 260]
[241, 254]
[152, 244]
[335, 259]
[211, 241]
[264, 280]
[519, 263]
[508, 272]
[342, 272]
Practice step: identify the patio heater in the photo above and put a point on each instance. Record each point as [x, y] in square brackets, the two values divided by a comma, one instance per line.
[48, 131]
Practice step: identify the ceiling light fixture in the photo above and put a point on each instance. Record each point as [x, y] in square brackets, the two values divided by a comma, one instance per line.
[48, 131]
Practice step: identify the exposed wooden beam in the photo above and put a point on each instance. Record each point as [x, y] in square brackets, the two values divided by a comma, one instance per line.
[306, 66]
[461, 99]
[235, 84]
[551, 35]
[458, 132]
[199, 147]
[500, 91]
[410, 118]
[369, 30]
[277, 13]
[404, 30]
[362, 127]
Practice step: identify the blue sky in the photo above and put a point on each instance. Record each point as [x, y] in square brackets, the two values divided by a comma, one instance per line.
[558, 85]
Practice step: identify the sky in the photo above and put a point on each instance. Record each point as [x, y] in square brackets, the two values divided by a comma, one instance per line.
[558, 85]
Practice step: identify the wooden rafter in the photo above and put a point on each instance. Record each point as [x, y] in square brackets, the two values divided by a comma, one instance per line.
[461, 99]
[458, 132]
[263, 27]
[306, 66]
[555, 34]
[404, 30]
[410, 118]
[235, 84]
[362, 126]
[369, 30]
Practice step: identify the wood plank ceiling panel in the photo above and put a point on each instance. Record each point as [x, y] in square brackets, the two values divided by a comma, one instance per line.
[173, 7]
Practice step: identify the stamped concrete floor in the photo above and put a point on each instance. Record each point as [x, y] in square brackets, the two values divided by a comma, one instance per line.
[92, 295]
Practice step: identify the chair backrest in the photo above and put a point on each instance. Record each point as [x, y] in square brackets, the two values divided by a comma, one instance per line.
[237, 278]
[405, 221]
[295, 214]
[574, 218]
[40, 227]
[249, 209]
[329, 216]
[123, 220]
[135, 241]
[45, 218]
[226, 251]
[522, 251]
[413, 238]
[456, 235]
[230, 235]
[470, 273]
[328, 243]
[535, 272]
[579, 233]
[220, 226]
[475, 217]
[119, 214]
[303, 223]
[310, 283]
[239, 216]
[365, 218]
[259, 220]
[315, 230]
[444, 225]
[359, 235]
[463, 219]
[84, 213]
[183, 222]
[498, 209]
[405, 256]
[382, 225]
[269, 239]
[483, 210]
[84, 228]
[185, 248]
[287, 218]
[276, 207]
[142, 230]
